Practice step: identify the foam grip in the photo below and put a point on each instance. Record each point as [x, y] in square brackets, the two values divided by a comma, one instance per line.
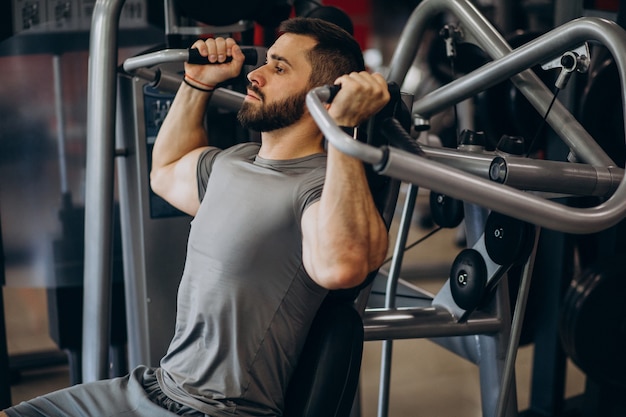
[398, 137]
[251, 57]
[332, 92]
[394, 91]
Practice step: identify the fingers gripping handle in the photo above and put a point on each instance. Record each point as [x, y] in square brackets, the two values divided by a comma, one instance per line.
[251, 57]
[394, 91]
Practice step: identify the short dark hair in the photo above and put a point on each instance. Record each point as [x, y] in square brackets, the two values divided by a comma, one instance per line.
[336, 53]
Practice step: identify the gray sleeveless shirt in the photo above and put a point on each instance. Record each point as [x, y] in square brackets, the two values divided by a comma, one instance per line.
[245, 302]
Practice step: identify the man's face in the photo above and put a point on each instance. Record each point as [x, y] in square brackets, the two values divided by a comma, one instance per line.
[267, 117]
[277, 90]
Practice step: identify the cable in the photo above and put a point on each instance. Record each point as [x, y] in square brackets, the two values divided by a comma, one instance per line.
[543, 122]
[451, 34]
[417, 242]
[454, 108]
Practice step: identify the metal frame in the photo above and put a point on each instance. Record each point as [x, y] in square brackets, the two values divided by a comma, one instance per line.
[99, 187]
[455, 182]
[486, 337]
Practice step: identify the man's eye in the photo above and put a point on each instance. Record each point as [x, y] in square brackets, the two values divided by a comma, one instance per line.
[279, 69]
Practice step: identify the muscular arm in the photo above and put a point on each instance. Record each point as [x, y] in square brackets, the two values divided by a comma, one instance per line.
[344, 235]
[182, 137]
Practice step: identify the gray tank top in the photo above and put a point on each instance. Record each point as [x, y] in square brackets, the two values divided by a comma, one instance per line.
[245, 302]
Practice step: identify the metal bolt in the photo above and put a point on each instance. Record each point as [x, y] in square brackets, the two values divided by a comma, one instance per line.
[462, 279]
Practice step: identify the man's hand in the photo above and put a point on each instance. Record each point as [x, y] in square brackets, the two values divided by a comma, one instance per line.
[361, 96]
[216, 50]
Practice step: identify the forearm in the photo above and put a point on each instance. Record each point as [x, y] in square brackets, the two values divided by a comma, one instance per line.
[183, 137]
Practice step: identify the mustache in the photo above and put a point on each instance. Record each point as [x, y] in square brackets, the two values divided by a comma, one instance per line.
[256, 90]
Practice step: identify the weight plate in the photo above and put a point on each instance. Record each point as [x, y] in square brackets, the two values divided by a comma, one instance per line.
[593, 324]
[507, 240]
[446, 211]
[468, 278]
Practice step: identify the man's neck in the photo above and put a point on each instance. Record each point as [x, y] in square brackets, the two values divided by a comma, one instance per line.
[296, 141]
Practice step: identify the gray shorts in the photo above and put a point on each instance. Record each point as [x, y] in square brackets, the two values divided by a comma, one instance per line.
[137, 394]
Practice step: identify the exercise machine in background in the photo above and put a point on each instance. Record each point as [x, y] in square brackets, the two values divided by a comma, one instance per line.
[510, 201]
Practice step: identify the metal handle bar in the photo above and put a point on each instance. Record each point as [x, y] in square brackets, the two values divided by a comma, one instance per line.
[478, 30]
[458, 184]
[253, 56]
[169, 82]
[528, 174]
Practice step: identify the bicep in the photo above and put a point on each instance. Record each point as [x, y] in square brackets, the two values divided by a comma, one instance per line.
[309, 240]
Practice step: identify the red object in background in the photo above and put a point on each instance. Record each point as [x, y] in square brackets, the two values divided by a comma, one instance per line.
[605, 5]
[361, 13]
[358, 11]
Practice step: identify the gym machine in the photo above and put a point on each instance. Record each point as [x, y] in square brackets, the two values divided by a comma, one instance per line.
[517, 195]
[465, 316]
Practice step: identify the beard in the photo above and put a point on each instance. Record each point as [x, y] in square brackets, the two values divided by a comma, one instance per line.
[272, 116]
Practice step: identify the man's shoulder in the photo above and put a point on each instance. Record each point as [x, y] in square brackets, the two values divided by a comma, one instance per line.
[246, 148]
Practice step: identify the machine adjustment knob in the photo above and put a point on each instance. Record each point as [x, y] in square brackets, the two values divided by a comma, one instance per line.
[468, 279]
[446, 211]
[507, 240]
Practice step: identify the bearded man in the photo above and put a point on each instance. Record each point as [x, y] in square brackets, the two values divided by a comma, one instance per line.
[276, 225]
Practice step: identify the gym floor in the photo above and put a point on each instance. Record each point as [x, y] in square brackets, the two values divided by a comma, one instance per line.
[426, 380]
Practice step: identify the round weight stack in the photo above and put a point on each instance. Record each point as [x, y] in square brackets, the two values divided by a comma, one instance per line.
[593, 323]
[468, 279]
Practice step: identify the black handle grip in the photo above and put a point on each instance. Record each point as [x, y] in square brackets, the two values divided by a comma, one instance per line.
[398, 137]
[332, 92]
[394, 90]
[251, 57]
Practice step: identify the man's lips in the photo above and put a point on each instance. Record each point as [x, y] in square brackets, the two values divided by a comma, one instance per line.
[252, 96]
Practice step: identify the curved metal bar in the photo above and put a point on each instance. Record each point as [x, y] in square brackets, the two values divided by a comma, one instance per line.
[424, 322]
[476, 163]
[342, 141]
[478, 30]
[155, 58]
[556, 176]
[99, 188]
[532, 174]
[456, 183]
[504, 199]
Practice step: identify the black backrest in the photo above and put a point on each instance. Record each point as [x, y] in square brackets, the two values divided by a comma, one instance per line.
[327, 375]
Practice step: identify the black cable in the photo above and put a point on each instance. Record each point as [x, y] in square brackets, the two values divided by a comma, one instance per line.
[543, 122]
[417, 242]
[456, 112]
